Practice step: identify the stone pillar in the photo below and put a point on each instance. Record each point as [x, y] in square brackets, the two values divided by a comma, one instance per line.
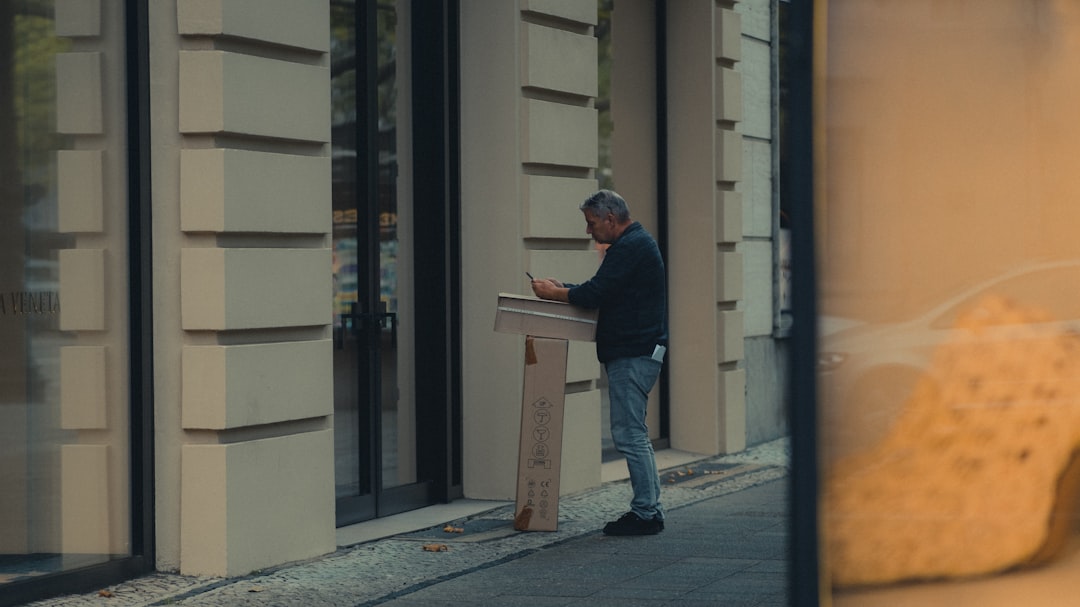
[241, 116]
[708, 402]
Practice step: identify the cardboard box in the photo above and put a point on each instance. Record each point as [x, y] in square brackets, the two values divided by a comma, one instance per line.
[540, 448]
[528, 315]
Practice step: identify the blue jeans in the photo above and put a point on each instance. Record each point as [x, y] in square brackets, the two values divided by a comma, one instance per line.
[629, 383]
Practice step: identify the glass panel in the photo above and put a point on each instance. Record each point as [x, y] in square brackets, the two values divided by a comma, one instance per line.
[386, 400]
[64, 453]
[950, 381]
[398, 423]
[352, 477]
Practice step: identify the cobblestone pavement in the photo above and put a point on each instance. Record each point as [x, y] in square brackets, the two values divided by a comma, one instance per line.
[376, 572]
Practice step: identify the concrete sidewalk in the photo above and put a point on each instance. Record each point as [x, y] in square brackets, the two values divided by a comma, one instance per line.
[725, 543]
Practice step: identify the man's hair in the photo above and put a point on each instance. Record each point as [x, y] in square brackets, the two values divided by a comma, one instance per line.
[604, 202]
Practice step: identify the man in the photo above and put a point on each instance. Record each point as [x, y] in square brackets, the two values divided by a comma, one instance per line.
[631, 337]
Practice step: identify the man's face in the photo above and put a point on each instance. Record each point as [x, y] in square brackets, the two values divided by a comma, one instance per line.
[602, 229]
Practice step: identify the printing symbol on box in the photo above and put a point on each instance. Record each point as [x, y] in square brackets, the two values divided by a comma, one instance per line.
[541, 433]
[540, 450]
[541, 416]
[540, 463]
[542, 402]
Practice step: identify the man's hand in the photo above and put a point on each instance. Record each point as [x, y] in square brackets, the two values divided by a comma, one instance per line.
[549, 288]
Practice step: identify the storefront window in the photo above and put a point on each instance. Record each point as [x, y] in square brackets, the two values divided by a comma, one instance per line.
[946, 208]
[64, 430]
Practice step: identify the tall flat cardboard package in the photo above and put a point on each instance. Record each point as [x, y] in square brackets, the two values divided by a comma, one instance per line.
[540, 450]
[547, 326]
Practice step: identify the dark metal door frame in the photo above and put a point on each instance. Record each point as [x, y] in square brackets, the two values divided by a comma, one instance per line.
[437, 217]
[436, 221]
[361, 507]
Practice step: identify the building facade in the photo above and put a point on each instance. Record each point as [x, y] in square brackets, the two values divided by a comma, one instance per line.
[252, 254]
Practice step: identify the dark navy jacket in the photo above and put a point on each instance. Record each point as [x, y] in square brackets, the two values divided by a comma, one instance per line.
[630, 291]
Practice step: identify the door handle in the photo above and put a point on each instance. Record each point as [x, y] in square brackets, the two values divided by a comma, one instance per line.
[371, 320]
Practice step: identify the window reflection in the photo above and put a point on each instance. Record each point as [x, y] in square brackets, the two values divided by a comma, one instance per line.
[950, 381]
[63, 479]
[372, 243]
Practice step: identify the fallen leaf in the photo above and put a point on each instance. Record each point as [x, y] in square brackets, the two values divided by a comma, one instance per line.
[105, 593]
[255, 589]
[436, 548]
[453, 529]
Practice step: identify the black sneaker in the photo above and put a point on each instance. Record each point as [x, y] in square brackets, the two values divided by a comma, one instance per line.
[632, 524]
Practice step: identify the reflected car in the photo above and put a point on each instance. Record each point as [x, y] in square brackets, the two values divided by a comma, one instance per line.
[867, 371]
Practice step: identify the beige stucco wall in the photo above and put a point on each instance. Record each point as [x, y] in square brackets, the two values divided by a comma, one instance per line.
[242, 285]
[765, 350]
[708, 404]
[756, 249]
[529, 149]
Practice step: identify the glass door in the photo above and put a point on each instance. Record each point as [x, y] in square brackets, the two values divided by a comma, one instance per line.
[375, 429]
